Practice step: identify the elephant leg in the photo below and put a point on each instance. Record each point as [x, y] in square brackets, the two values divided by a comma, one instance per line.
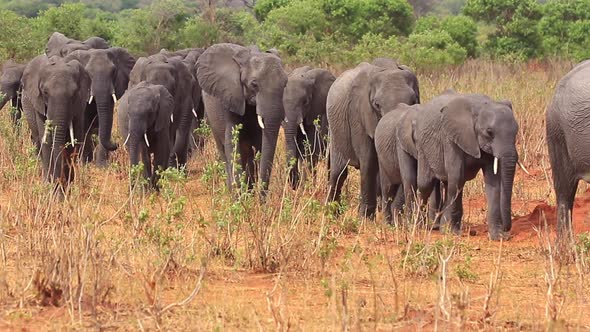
[338, 174]
[565, 183]
[147, 163]
[408, 169]
[247, 156]
[31, 118]
[231, 121]
[369, 173]
[398, 201]
[161, 157]
[44, 147]
[454, 207]
[102, 156]
[434, 202]
[91, 128]
[388, 192]
[492, 187]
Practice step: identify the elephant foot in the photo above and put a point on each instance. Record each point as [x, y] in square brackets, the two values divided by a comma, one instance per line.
[499, 235]
[366, 212]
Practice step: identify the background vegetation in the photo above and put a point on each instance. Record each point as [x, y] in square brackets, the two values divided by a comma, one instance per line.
[422, 33]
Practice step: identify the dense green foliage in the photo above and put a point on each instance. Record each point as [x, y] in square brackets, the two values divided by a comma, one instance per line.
[335, 32]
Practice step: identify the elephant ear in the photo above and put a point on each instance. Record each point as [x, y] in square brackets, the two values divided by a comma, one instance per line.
[412, 81]
[370, 116]
[218, 73]
[124, 63]
[164, 109]
[136, 72]
[55, 43]
[322, 81]
[81, 55]
[406, 129]
[459, 125]
[32, 82]
[506, 102]
[84, 83]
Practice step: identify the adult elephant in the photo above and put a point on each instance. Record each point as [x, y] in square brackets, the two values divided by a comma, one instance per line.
[356, 102]
[242, 87]
[456, 136]
[109, 71]
[11, 88]
[59, 44]
[55, 94]
[568, 134]
[175, 76]
[304, 100]
[144, 121]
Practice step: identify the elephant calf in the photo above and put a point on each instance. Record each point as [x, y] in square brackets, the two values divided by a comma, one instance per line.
[456, 136]
[144, 121]
[568, 134]
[356, 102]
[304, 100]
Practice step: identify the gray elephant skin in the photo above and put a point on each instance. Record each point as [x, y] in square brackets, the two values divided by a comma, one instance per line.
[243, 87]
[144, 122]
[356, 102]
[304, 100]
[109, 71]
[456, 136]
[11, 88]
[397, 154]
[57, 91]
[60, 45]
[567, 124]
[174, 75]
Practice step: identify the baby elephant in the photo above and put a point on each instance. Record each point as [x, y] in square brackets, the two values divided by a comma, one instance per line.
[145, 115]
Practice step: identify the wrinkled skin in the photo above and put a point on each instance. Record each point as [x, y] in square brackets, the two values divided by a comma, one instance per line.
[109, 71]
[60, 45]
[144, 113]
[568, 134]
[456, 137]
[57, 91]
[174, 75]
[304, 100]
[356, 102]
[189, 57]
[11, 88]
[241, 86]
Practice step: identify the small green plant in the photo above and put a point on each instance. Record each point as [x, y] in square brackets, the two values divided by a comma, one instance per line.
[422, 259]
[464, 270]
[583, 249]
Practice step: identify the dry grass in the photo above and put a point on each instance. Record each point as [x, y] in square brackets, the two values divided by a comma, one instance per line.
[108, 258]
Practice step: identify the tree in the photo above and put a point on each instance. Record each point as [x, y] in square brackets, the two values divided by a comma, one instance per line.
[17, 40]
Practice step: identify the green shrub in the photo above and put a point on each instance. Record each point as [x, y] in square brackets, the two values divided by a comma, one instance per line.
[17, 40]
[432, 49]
[263, 7]
[197, 32]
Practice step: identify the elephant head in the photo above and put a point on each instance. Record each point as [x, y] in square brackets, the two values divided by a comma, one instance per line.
[10, 83]
[304, 100]
[109, 70]
[57, 91]
[479, 125]
[386, 89]
[59, 44]
[144, 110]
[237, 76]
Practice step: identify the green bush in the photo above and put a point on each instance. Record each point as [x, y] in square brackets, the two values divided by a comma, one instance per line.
[432, 49]
[197, 32]
[565, 27]
[372, 46]
[17, 40]
[67, 19]
[461, 28]
[263, 7]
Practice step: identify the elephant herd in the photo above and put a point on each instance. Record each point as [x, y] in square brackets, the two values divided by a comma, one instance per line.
[370, 117]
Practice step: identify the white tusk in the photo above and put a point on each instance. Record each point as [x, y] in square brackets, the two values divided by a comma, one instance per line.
[195, 114]
[72, 134]
[127, 139]
[302, 129]
[45, 133]
[114, 98]
[286, 120]
[11, 105]
[495, 165]
[524, 169]
[90, 100]
[146, 140]
[171, 117]
[260, 122]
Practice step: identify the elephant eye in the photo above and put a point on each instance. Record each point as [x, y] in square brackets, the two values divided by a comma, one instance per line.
[490, 132]
[254, 84]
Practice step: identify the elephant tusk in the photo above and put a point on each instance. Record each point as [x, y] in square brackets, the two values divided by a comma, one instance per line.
[171, 117]
[127, 139]
[11, 104]
[90, 100]
[523, 168]
[302, 129]
[195, 114]
[146, 140]
[72, 134]
[260, 122]
[45, 133]
[495, 165]
[114, 98]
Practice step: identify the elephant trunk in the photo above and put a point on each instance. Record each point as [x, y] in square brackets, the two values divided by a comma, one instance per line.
[507, 170]
[291, 129]
[180, 149]
[56, 138]
[104, 107]
[6, 93]
[270, 111]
